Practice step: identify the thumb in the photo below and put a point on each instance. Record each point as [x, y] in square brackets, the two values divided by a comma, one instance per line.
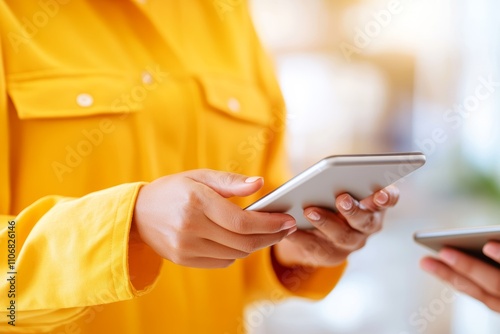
[227, 184]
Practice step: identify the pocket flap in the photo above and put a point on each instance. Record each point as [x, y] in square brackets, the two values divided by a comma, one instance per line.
[61, 96]
[236, 98]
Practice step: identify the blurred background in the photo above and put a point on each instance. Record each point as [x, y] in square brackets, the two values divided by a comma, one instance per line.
[368, 76]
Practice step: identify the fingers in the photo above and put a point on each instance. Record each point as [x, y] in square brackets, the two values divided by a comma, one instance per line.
[476, 270]
[205, 262]
[460, 282]
[199, 238]
[366, 217]
[447, 274]
[492, 250]
[212, 185]
[231, 217]
[382, 199]
[246, 243]
[212, 249]
[337, 235]
[360, 219]
[233, 227]
[226, 184]
[341, 234]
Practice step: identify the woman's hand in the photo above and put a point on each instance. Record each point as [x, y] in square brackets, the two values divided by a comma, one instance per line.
[186, 218]
[336, 235]
[468, 274]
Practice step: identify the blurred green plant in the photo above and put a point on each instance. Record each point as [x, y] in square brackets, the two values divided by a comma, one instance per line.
[473, 181]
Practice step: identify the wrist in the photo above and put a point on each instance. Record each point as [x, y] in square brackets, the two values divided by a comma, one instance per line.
[135, 235]
[143, 263]
[290, 275]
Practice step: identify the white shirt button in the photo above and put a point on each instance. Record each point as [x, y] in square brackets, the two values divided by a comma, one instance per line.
[233, 104]
[84, 100]
[147, 78]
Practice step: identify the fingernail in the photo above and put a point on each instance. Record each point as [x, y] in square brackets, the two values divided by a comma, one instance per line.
[492, 250]
[253, 179]
[381, 197]
[346, 203]
[313, 215]
[288, 224]
[292, 230]
[448, 256]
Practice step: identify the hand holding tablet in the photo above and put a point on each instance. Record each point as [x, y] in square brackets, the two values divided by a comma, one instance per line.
[319, 185]
[338, 203]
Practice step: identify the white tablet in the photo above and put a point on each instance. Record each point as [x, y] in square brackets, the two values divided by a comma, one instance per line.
[320, 184]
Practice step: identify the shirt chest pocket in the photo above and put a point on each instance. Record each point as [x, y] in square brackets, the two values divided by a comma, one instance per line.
[236, 100]
[68, 127]
[70, 96]
[241, 124]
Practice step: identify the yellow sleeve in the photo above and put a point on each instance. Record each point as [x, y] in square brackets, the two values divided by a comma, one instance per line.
[72, 253]
[60, 255]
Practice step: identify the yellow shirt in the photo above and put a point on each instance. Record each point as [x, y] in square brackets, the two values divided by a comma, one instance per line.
[97, 97]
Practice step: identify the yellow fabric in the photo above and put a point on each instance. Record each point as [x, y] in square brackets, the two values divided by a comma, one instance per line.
[97, 97]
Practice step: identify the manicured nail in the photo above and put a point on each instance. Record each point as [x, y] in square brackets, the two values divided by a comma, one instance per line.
[288, 224]
[253, 179]
[381, 197]
[448, 256]
[313, 215]
[346, 203]
[492, 250]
